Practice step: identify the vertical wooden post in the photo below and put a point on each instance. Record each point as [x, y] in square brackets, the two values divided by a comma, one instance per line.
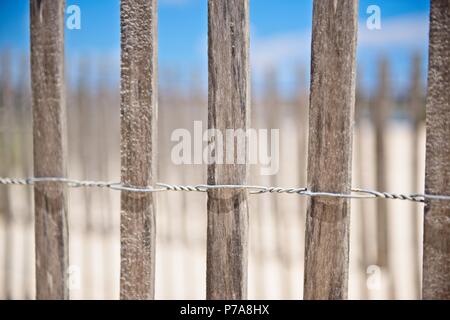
[228, 108]
[49, 142]
[330, 147]
[436, 249]
[139, 103]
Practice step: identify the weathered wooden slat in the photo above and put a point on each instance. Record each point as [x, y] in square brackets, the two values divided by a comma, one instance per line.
[228, 108]
[49, 142]
[139, 103]
[330, 147]
[436, 247]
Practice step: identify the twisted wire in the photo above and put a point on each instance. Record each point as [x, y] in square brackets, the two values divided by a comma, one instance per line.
[356, 193]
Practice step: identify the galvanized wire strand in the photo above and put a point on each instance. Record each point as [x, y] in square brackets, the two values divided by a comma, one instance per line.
[356, 193]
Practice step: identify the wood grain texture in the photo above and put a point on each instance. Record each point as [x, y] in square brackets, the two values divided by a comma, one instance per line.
[139, 104]
[436, 248]
[49, 142]
[331, 114]
[228, 108]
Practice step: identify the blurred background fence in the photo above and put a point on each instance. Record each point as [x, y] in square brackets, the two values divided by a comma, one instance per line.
[389, 151]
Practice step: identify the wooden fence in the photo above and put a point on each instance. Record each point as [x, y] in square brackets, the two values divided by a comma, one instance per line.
[332, 100]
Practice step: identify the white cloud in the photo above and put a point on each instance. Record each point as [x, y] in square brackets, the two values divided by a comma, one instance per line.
[280, 49]
[403, 31]
[284, 49]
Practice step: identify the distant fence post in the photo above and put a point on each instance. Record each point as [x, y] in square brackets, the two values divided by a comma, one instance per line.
[138, 147]
[380, 109]
[330, 147]
[416, 109]
[49, 143]
[228, 108]
[7, 106]
[436, 248]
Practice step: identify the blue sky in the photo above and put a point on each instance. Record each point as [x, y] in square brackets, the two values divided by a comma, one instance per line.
[280, 36]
